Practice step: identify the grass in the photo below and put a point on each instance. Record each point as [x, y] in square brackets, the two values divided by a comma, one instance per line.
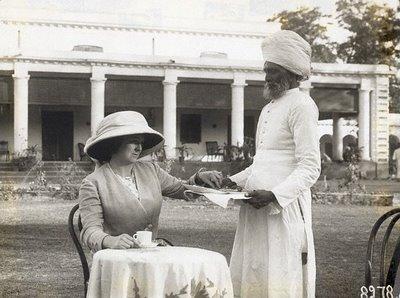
[37, 257]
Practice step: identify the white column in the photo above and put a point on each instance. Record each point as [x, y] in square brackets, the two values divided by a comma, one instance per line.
[98, 84]
[237, 118]
[305, 87]
[21, 80]
[169, 122]
[337, 138]
[364, 121]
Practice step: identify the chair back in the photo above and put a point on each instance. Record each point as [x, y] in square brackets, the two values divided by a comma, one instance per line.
[391, 270]
[212, 148]
[75, 238]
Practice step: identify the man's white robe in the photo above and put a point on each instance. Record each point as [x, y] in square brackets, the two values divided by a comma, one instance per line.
[267, 253]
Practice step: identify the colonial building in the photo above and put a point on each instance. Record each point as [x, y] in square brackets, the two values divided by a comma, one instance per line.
[195, 80]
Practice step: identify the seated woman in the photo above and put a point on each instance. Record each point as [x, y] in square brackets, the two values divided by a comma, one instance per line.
[124, 195]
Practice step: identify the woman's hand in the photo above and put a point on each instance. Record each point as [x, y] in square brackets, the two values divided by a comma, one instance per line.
[228, 183]
[122, 241]
[210, 178]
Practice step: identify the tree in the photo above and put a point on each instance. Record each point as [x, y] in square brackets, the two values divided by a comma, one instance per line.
[394, 84]
[306, 22]
[374, 38]
[373, 32]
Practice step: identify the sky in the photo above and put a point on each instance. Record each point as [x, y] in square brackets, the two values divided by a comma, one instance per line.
[327, 6]
[227, 10]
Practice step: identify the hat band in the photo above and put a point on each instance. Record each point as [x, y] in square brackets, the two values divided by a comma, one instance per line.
[103, 130]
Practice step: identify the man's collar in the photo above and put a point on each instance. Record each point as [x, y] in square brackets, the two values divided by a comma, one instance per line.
[290, 91]
[287, 92]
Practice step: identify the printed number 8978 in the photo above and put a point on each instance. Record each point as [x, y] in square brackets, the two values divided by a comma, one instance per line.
[386, 292]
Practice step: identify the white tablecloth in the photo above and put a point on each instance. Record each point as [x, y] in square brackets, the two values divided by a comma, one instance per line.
[159, 272]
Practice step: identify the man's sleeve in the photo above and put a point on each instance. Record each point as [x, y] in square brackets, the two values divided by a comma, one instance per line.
[303, 122]
[241, 177]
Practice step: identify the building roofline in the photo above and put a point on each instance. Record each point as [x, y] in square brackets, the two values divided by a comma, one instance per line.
[135, 28]
[164, 62]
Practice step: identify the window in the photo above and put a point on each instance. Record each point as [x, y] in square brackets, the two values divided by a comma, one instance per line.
[190, 128]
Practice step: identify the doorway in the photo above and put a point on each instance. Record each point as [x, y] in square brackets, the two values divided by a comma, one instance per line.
[57, 135]
[249, 127]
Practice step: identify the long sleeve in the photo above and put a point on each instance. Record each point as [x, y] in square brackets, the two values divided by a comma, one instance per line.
[91, 213]
[303, 124]
[171, 186]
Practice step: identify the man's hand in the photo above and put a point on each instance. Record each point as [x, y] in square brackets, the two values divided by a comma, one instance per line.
[260, 198]
[209, 178]
[122, 241]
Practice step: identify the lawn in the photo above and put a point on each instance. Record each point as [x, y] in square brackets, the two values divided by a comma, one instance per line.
[37, 258]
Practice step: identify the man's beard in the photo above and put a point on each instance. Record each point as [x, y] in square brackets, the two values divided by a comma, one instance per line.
[274, 90]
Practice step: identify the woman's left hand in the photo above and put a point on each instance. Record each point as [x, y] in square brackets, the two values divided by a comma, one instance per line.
[210, 178]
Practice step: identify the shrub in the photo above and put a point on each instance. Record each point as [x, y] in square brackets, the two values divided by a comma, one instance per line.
[69, 178]
[27, 159]
[66, 184]
[7, 192]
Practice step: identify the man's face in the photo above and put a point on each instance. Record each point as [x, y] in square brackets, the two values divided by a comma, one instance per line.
[277, 81]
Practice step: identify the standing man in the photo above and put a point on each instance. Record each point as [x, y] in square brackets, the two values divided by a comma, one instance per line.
[396, 159]
[273, 252]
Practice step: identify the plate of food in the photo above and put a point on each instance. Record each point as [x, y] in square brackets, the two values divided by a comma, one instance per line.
[220, 197]
[201, 189]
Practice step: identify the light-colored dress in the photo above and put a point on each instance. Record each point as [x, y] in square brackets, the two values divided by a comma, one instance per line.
[396, 157]
[110, 206]
[267, 253]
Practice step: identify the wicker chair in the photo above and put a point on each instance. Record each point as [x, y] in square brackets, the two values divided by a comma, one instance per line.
[212, 148]
[75, 238]
[387, 274]
[214, 152]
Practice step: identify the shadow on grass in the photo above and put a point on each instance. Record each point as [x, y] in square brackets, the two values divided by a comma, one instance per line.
[39, 260]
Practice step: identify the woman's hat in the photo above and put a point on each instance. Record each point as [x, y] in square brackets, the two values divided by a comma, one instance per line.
[122, 124]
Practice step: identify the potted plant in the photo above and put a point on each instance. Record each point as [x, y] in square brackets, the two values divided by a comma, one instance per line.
[159, 155]
[249, 149]
[184, 152]
[235, 152]
[27, 159]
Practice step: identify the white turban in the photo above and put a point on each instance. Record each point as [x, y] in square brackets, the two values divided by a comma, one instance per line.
[289, 50]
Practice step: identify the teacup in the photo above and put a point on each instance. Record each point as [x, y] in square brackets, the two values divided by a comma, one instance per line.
[143, 237]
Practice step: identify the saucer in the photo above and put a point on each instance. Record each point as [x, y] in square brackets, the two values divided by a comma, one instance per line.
[149, 245]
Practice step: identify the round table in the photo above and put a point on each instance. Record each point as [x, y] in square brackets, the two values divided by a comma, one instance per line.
[159, 272]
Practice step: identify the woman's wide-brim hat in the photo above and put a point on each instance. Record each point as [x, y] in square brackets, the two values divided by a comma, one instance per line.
[123, 124]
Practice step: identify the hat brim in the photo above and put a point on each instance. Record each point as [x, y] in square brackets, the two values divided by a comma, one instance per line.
[99, 150]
